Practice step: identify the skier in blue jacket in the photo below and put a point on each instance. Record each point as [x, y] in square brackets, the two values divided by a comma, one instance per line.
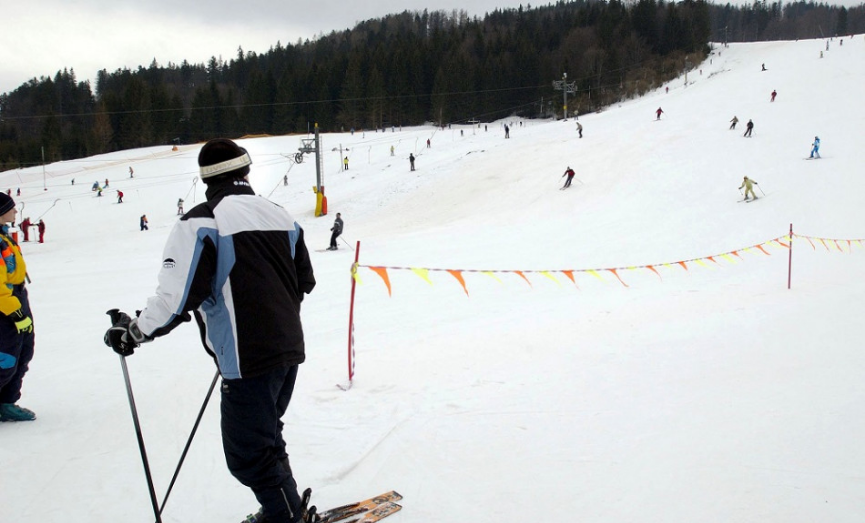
[815, 147]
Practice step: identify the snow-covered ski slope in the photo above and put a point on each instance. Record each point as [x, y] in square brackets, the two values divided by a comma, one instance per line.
[708, 392]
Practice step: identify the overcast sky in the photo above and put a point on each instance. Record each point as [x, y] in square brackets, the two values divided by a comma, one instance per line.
[41, 37]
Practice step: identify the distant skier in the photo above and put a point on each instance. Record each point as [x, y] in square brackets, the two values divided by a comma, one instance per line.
[25, 228]
[764, 67]
[570, 174]
[411, 160]
[119, 196]
[143, 222]
[815, 147]
[345, 163]
[428, 143]
[659, 112]
[507, 131]
[774, 94]
[749, 128]
[748, 184]
[580, 129]
[180, 206]
[733, 122]
[131, 172]
[337, 230]
[41, 228]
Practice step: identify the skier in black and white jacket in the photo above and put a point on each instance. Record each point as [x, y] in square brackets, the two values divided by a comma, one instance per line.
[240, 264]
[336, 230]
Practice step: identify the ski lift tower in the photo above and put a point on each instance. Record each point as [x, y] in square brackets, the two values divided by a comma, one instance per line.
[566, 88]
[310, 146]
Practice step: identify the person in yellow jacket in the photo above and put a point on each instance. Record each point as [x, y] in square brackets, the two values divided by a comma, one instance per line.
[748, 185]
[16, 323]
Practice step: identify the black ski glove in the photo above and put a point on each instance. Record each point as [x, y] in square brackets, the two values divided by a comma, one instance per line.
[124, 336]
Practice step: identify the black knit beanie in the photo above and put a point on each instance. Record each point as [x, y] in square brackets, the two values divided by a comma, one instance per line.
[6, 203]
[222, 156]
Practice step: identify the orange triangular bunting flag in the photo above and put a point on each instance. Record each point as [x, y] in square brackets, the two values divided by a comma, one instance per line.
[616, 274]
[570, 275]
[382, 271]
[459, 276]
[523, 276]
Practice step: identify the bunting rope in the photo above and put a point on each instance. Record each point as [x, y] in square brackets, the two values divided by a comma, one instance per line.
[836, 244]
[732, 257]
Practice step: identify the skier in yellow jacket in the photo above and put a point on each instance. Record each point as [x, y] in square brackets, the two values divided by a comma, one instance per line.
[748, 184]
[16, 324]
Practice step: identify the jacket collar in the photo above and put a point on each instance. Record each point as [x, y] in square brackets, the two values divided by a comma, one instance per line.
[232, 186]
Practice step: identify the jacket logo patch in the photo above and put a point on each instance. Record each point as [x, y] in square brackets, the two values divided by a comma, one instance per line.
[169, 263]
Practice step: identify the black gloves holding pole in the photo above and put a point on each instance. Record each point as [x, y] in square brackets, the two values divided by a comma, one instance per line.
[124, 336]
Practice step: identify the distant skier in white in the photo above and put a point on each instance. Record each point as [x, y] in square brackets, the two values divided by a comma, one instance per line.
[733, 122]
[815, 147]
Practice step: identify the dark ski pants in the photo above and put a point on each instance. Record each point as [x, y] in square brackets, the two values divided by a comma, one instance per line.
[568, 181]
[252, 409]
[333, 238]
[16, 351]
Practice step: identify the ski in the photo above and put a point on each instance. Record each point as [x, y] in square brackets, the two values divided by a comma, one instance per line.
[380, 512]
[358, 508]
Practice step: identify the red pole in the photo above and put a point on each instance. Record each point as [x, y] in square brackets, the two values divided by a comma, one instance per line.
[790, 259]
[351, 317]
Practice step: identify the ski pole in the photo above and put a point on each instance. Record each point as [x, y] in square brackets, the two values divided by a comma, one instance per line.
[349, 245]
[115, 317]
[156, 510]
[189, 441]
[761, 189]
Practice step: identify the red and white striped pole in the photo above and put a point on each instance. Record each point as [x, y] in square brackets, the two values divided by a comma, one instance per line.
[351, 317]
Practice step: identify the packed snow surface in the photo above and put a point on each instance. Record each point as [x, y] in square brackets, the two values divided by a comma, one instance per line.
[705, 391]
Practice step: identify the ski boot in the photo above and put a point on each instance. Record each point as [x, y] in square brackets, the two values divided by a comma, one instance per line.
[12, 412]
[307, 513]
